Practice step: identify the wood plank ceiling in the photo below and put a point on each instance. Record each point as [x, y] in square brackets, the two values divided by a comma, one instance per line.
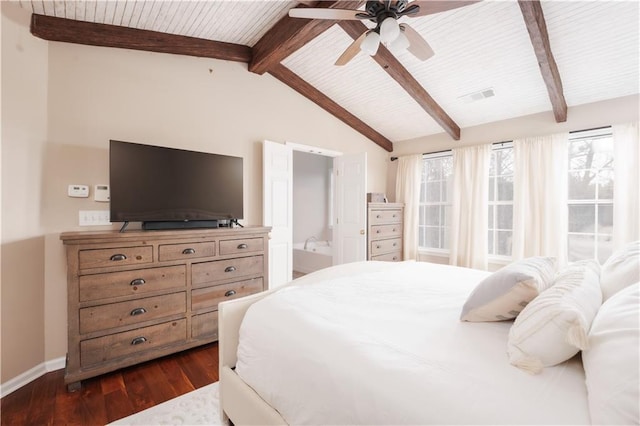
[487, 47]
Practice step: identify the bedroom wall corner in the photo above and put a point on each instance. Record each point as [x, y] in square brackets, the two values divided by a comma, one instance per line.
[24, 135]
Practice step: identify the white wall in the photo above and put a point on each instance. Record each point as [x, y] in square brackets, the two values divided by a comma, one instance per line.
[67, 101]
[311, 196]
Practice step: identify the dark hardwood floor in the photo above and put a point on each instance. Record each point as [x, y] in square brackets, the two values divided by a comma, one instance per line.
[109, 397]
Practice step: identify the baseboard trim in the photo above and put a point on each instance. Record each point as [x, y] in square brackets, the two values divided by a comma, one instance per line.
[31, 375]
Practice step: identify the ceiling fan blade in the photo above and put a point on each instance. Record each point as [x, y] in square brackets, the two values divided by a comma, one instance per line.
[319, 13]
[351, 51]
[418, 46]
[429, 7]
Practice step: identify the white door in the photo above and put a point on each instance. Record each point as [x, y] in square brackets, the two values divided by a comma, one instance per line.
[277, 209]
[350, 219]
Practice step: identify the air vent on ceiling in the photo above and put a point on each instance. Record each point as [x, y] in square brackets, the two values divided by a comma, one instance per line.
[478, 96]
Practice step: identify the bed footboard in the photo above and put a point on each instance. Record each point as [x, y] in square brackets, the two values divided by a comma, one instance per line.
[238, 401]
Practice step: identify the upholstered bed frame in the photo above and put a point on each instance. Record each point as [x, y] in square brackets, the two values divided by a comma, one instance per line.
[238, 401]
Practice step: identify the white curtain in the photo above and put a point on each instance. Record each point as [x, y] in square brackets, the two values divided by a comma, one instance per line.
[626, 202]
[540, 197]
[408, 192]
[470, 205]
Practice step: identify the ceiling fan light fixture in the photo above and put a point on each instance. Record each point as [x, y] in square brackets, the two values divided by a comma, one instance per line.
[389, 30]
[400, 43]
[370, 43]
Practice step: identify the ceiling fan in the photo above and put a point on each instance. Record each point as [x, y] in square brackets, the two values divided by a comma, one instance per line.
[385, 14]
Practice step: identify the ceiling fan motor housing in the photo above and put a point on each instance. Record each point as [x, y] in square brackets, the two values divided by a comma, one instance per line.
[379, 10]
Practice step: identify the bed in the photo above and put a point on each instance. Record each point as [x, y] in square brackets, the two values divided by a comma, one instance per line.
[383, 343]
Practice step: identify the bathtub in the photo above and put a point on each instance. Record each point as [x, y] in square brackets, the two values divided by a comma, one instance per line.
[318, 255]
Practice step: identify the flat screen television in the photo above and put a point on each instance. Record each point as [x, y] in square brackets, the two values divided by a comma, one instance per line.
[168, 188]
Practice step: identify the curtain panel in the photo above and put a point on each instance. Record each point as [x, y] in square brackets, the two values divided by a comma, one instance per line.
[540, 197]
[626, 201]
[470, 205]
[408, 192]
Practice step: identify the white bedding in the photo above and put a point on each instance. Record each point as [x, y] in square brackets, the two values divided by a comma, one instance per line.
[382, 343]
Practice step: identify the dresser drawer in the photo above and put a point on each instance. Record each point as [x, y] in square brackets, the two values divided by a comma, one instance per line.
[106, 348]
[385, 246]
[127, 283]
[186, 251]
[120, 256]
[103, 317]
[209, 297]
[219, 270]
[395, 256]
[386, 231]
[380, 217]
[246, 245]
[205, 325]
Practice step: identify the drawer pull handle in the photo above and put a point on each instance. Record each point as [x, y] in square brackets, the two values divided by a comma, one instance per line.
[230, 293]
[242, 246]
[189, 251]
[118, 257]
[378, 246]
[377, 231]
[395, 244]
[395, 257]
[230, 269]
[377, 216]
[137, 281]
[138, 340]
[138, 311]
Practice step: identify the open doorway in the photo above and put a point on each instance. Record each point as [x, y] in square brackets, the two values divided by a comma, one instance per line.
[312, 212]
[339, 211]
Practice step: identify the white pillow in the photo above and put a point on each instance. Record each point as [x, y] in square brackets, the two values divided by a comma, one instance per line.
[621, 270]
[503, 294]
[554, 326]
[611, 362]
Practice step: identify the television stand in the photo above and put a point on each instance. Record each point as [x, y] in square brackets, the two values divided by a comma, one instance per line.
[188, 224]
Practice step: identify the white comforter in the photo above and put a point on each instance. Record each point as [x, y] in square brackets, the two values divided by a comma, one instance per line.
[382, 343]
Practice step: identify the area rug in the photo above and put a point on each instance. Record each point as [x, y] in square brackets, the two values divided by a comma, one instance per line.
[198, 407]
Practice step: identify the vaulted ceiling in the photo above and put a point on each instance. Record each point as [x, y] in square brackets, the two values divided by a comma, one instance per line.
[530, 56]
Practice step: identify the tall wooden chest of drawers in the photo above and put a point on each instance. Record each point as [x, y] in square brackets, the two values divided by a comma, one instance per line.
[384, 231]
[138, 295]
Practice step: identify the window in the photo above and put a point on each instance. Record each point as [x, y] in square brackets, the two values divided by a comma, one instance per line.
[590, 198]
[501, 199]
[590, 194]
[435, 206]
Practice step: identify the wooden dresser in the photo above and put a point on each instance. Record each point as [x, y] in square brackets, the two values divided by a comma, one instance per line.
[138, 295]
[384, 231]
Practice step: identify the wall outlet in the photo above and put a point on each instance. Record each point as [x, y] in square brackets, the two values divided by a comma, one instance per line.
[94, 217]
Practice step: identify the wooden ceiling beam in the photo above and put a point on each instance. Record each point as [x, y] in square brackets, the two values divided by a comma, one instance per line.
[290, 34]
[292, 80]
[537, 28]
[399, 73]
[80, 32]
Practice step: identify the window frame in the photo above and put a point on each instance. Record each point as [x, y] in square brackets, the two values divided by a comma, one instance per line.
[596, 202]
[493, 257]
[442, 252]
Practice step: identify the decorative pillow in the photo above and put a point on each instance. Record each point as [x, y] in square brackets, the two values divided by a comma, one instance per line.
[611, 362]
[621, 270]
[554, 326]
[503, 294]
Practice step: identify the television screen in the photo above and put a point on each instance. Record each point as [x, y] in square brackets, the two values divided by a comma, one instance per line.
[157, 184]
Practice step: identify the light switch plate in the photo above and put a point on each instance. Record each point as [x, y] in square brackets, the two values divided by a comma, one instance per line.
[94, 217]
